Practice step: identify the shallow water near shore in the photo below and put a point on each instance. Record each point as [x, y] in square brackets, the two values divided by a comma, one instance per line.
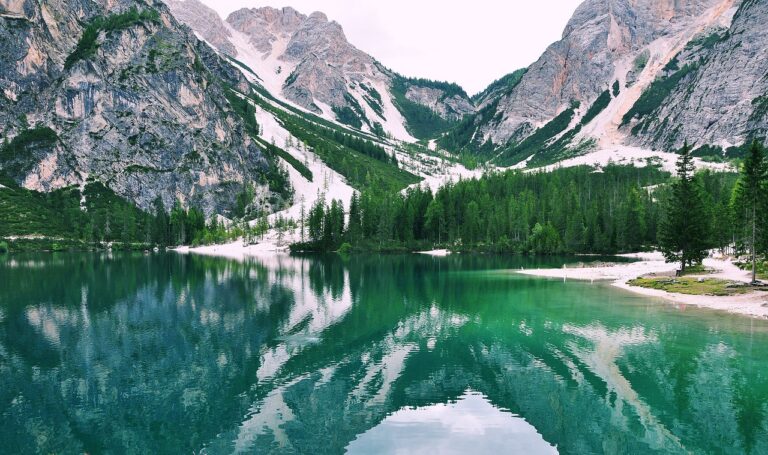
[169, 353]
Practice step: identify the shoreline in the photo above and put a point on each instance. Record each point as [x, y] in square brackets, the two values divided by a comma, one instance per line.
[753, 304]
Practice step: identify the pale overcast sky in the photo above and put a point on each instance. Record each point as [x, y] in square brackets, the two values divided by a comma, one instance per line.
[470, 42]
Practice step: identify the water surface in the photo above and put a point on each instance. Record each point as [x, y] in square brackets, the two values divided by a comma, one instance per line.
[386, 354]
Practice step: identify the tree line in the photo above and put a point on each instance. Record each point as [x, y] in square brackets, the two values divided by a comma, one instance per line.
[575, 210]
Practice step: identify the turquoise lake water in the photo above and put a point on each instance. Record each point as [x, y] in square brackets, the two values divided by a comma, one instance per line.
[166, 353]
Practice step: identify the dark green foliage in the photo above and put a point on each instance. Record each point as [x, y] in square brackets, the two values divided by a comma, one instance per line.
[449, 89]
[186, 227]
[463, 138]
[708, 151]
[374, 100]
[544, 239]
[616, 89]
[685, 233]
[347, 116]
[16, 158]
[276, 177]
[378, 130]
[641, 61]
[537, 141]
[653, 97]
[357, 108]
[88, 43]
[245, 110]
[373, 93]
[422, 122]
[362, 161]
[57, 221]
[287, 109]
[502, 86]
[241, 65]
[760, 108]
[353, 114]
[243, 201]
[717, 154]
[290, 159]
[706, 41]
[597, 107]
[750, 204]
[326, 227]
[103, 217]
[291, 79]
[566, 211]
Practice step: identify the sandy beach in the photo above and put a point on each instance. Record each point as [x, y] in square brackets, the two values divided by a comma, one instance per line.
[754, 304]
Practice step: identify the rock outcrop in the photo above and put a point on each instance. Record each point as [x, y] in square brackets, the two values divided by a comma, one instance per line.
[717, 88]
[119, 92]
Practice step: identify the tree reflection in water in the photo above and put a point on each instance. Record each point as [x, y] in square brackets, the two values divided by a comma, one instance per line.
[166, 353]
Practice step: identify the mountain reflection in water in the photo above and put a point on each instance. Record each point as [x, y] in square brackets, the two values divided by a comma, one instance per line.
[167, 353]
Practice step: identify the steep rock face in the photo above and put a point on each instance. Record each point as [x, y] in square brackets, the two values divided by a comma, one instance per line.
[265, 26]
[448, 106]
[132, 100]
[325, 64]
[718, 88]
[309, 61]
[598, 47]
[205, 22]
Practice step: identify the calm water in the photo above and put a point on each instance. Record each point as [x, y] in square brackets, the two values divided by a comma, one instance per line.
[176, 354]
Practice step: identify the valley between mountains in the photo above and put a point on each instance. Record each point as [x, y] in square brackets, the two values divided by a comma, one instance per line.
[140, 123]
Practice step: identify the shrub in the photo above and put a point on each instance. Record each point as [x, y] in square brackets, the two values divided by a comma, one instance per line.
[88, 43]
[345, 249]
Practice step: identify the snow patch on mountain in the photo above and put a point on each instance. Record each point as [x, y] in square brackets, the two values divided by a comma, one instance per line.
[327, 184]
[635, 156]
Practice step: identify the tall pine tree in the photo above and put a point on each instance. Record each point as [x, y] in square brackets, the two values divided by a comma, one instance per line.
[684, 232]
[749, 201]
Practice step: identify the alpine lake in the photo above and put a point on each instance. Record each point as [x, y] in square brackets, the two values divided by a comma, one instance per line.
[169, 353]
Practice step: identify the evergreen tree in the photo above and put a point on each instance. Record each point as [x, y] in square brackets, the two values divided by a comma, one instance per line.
[178, 224]
[355, 227]
[334, 225]
[435, 220]
[303, 220]
[633, 222]
[685, 230]
[316, 218]
[544, 240]
[161, 227]
[749, 201]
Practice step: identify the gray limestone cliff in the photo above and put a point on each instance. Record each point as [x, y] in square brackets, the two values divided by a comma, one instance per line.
[119, 92]
[715, 92]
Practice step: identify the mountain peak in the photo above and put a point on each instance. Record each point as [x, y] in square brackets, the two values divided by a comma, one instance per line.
[318, 16]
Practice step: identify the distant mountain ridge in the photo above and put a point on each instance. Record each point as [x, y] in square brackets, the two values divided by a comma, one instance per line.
[280, 108]
[631, 75]
[617, 81]
[308, 61]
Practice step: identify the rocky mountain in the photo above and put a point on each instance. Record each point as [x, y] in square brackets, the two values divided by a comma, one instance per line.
[120, 92]
[714, 93]
[629, 75]
[308, 61]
